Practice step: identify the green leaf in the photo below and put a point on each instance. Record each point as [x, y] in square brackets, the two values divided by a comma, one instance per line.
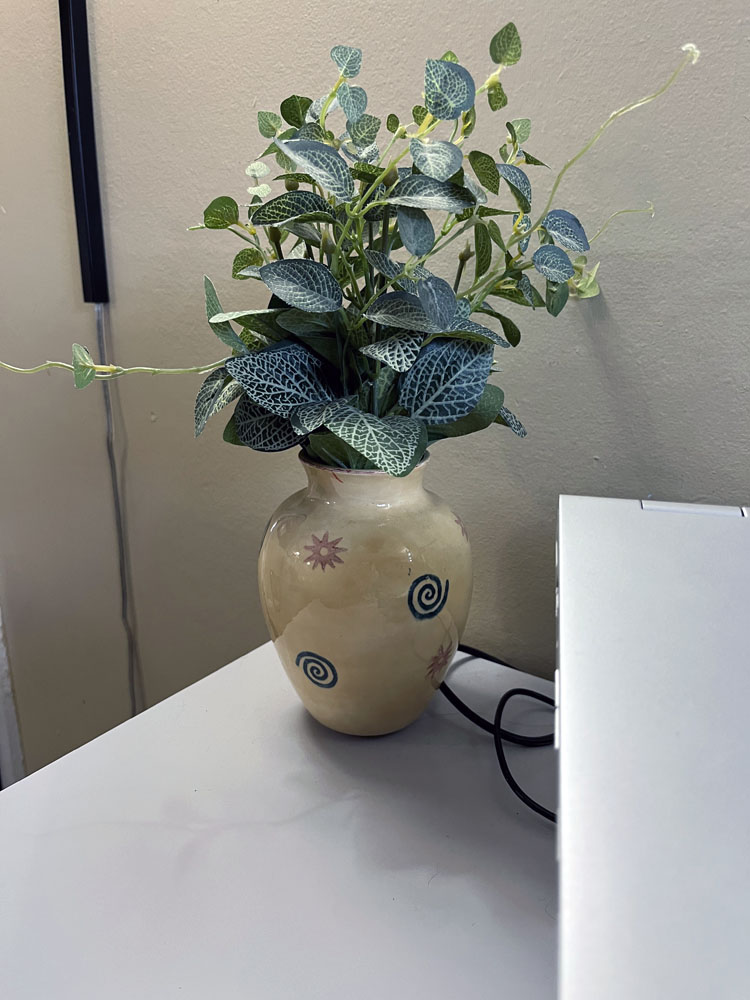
[446, 381]
[83, 367]
[532, 160]
[418, 191]
[496, 96]
[364, 131]
[505, 47]
[484, 167]
[553, 263]
[283, 136]
[353, 101]
[448, 89]
[230, 432]
[256, 428]
[301, 205]
[416, 230]
[419, 113]
[468, 121]
[323, 164]
[483, 249]
[305, 284]
[392, 123]
[521, 129]
[556, 297]
[269, 123]
[364, 171]
[294, 109]
[449, 56]
[511, 331]
[223, 331]
[394, 444]
[518, 183]
[249, 257]
[484, 413]
[495, 235]
[399, 351]
[221, 213]
[281, 377]
[300, 178]
[348, 60]
[439, 160]
[217, 391]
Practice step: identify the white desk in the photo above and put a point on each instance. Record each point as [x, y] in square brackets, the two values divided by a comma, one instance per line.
[224, 846]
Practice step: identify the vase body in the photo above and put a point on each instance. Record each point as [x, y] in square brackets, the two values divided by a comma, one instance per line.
[365, 582]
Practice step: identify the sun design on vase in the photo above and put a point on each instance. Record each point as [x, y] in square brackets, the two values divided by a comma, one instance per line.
[439, 663]
[325, 552]
[462, 526]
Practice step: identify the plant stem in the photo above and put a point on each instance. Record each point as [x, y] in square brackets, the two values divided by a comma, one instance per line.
[329, 101]
[38, 368]
[459, 273]
[623, 211]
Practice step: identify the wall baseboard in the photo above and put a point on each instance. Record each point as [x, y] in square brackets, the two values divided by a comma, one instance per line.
[11, 753]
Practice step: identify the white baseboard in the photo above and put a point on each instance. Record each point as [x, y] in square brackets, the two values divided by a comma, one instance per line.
[11, 754]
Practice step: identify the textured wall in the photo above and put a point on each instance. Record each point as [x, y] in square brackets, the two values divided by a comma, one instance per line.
[643, 391]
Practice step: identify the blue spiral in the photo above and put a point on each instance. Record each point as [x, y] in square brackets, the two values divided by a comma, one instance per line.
[427, 596]
[317, 669]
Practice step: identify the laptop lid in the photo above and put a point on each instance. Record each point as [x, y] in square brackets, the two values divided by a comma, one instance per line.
[653, 709]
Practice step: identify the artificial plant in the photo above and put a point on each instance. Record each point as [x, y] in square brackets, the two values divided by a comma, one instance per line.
[364, 356]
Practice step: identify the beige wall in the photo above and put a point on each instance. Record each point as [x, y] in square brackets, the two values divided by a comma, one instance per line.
[643, 391]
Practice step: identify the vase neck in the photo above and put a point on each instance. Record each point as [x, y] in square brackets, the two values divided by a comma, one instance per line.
[364, 486]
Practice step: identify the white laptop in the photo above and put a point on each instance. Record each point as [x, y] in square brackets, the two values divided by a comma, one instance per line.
[653, 725]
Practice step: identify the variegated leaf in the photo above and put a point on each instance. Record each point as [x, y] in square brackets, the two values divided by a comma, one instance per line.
[292, 205]
[518, 182]
[263, 431]
[402, 310]
[281, 377]
[323, 164]
[448, 89]
[553, 263]
[439, 160]
[306, 284]
[217, 391]
[353, 101]
[418, 191]
[415, 230]
[309, 417]
[223, 330]
[348, 60]
[566, 230]
[364, 131]
[510, 420]
[394, 444]
[399, 352]
[438, 301]
[446, 381]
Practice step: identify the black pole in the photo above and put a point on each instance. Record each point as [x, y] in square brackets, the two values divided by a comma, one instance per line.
[82, 141]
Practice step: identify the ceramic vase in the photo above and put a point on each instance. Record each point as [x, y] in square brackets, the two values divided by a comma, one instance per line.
[365, 582]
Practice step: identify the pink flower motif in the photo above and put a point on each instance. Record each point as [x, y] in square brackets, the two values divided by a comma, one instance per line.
[462, 526]
[325, 552]
[439, 663]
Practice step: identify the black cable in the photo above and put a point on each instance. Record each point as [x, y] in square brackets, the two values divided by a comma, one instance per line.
[122, 558]
[498, 733]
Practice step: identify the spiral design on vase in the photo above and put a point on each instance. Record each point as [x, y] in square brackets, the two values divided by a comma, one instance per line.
[317, 669]
[427, 596]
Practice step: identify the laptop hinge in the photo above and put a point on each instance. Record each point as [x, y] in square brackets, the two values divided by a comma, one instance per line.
[691, 508]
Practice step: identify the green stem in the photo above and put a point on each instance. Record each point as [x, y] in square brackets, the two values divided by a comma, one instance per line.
[242, 236]
[39, 368]
[459, 274]
[623, 211]
[329, 101]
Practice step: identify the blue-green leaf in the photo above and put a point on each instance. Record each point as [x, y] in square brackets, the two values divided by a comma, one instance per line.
[518, 183]
[521, 129]
[353, 101]
[323, 164]
[305, 284]
[448, 89]
[311, 130]
[446, 381]
[505, 47]
[484, 167]
[310, 416]
[281, 377]
[439, 160]
[221, 213]
[402, 310]
[511, 331]
[269, 123]
[363, 132]
[484, 413]
[394, 444]
[348, 59]
[294, 109]
[522, 227]
[293, 205]
[217, 391]
[556, 296]
[553, 263]
[510, 420]
[256, 428]
[416, 230]
[399, 352]
[224, 330]
[566, 229]
[482, 249]
[417, 191]
[438, 301]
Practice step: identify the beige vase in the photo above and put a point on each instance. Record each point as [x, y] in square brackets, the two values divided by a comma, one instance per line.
[365, 582]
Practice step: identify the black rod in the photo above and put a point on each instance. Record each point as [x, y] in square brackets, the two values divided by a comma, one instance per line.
[82, 141]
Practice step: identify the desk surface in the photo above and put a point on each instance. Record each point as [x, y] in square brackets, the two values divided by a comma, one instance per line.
[224, 845]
